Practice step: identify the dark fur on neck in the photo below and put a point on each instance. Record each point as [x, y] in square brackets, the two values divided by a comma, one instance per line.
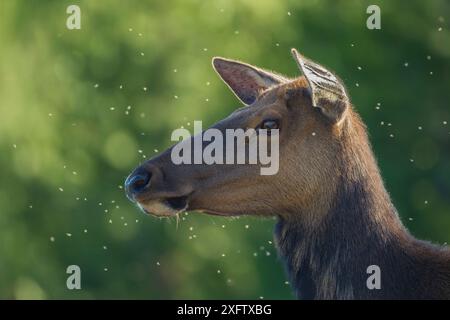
[362, 228]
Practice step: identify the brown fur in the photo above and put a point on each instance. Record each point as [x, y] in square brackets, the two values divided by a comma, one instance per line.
[335, 216]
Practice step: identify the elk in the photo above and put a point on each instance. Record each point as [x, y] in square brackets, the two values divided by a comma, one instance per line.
[335, 217]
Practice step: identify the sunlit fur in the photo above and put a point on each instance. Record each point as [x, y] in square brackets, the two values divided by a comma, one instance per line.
[335, 217]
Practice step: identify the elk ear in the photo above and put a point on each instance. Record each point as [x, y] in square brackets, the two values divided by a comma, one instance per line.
[244, 80]
[327, 91]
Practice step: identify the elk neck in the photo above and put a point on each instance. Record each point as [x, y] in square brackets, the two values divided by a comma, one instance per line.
[329, 259]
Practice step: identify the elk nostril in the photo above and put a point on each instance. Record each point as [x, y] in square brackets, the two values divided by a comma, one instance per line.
[138, 182]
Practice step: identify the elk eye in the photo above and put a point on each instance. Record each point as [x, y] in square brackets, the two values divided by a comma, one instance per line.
[270, 125]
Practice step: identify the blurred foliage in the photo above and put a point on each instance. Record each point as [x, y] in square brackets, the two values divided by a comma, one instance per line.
[81, 108]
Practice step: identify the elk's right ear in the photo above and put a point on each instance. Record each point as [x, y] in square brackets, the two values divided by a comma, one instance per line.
[327, 91]
[244, 80]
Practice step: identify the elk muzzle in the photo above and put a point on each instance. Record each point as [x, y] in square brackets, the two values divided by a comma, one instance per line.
[149, 188]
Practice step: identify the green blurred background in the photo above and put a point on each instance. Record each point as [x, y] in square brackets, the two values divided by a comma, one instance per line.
[81, 108]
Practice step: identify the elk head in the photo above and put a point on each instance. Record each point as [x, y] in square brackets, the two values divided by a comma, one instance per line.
[310, 113]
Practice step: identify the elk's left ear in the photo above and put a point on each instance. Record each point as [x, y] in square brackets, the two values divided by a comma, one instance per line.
[327, 91]
[244, 80]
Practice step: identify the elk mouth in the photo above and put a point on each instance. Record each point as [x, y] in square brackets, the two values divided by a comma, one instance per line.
[177, 203]
[165, 207]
